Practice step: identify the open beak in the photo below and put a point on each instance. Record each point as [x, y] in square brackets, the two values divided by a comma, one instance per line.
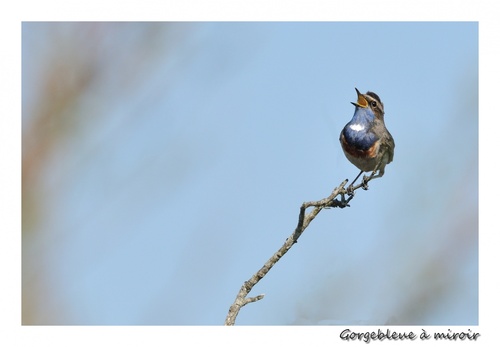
[361, 100]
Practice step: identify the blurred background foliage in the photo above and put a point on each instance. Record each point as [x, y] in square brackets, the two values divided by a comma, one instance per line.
[75, 77]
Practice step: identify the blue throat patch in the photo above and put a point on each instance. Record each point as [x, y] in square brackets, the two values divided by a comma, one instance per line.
[361, 139]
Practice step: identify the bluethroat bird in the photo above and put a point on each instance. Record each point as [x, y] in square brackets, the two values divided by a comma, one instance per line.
[365, 140]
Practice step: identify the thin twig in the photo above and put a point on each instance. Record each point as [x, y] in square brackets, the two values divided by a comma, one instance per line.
[304, 220]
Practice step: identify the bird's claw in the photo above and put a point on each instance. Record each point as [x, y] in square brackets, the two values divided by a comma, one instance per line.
[364, 184]
[343, 202]
[350, 190]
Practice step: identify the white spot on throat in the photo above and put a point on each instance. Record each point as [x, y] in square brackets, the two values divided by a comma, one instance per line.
[357, 127]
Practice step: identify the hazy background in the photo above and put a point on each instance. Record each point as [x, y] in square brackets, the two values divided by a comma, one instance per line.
[164, 163]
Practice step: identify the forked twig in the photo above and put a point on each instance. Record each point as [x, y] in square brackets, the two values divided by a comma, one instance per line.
[336, 199]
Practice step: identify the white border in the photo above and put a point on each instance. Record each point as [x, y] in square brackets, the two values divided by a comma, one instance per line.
[12, 333]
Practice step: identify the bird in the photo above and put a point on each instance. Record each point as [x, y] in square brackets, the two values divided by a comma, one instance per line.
[365, 140]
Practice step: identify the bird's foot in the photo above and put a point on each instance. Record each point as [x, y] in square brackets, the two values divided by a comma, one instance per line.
[343, 201]
[364, 184]
[350, 190]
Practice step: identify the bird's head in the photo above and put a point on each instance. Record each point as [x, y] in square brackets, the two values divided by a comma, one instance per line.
[370, 100]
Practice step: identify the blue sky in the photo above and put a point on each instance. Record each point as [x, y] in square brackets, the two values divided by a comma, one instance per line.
[189, 153]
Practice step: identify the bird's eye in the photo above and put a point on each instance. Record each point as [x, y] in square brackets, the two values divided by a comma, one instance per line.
[374, 103]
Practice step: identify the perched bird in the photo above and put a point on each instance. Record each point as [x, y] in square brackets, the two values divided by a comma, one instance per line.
[365, 140]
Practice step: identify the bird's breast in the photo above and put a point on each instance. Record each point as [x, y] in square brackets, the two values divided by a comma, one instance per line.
[359, 137]
[360, 150]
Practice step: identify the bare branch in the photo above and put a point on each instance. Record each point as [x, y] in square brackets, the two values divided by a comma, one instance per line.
[304, 220]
